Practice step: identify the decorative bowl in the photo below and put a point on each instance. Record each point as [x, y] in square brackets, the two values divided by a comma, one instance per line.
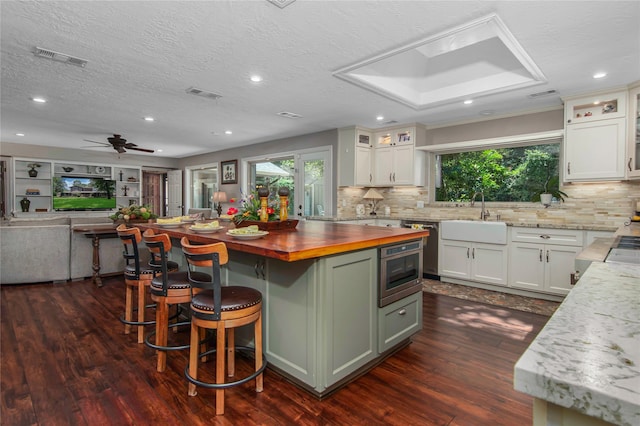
[276, 225]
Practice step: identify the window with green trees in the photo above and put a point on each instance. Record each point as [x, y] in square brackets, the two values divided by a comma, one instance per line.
[516, 174]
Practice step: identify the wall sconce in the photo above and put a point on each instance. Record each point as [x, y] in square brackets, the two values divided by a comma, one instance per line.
[219, 197]
[374, 196]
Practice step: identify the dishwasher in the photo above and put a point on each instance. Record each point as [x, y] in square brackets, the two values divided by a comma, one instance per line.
[430, 248]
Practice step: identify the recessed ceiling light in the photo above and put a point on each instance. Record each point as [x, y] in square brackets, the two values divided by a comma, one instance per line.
[380, 118]
[19, 134]
[468, 102]
[600, 75]
[149, 119]
[487, 112]
[158, 150]
[228, 132]
[256, 78]
[39, 100]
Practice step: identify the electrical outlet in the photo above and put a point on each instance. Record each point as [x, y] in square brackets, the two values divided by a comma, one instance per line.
[420, 204]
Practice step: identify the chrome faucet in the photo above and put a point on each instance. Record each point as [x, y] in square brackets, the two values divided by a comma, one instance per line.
[484, 214]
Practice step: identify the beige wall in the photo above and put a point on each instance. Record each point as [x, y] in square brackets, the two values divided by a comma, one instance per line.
[98, 156]
[499, 127]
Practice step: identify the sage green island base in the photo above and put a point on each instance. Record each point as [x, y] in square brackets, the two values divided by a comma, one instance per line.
[322, 323]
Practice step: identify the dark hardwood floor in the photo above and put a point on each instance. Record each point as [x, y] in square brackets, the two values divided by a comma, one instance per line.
[66, 361]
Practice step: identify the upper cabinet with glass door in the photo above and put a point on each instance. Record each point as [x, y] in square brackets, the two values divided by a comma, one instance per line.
[633, 137]
[595, 137]
[395, 137]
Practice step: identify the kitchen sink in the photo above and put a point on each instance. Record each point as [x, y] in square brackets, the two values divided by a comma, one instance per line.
[474, 231]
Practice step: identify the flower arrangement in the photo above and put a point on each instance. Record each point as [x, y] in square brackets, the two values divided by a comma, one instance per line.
[133, 212]
[250, 208]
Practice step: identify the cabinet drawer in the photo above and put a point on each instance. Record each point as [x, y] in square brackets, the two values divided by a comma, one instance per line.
[564, 237]
[398, 321]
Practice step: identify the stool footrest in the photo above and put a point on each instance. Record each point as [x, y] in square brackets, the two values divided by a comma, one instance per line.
[124, 321]
[227, 384]
[167, 348]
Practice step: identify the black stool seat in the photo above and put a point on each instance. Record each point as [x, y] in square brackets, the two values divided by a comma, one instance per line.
[233, 298]
[175, 281]
[146, 272]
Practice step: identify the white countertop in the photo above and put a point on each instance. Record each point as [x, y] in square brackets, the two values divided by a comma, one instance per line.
[587, 357]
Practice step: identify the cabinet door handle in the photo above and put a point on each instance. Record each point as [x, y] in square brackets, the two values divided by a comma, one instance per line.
[402, 312]
[569, 168]
[256, 268]
[370, 177]
[467, 252]
[540, 255]
[473, 253]
[390, 179]
[629, 163]
[394, 177]
[262, 265]
[547, 256]
[545, 236]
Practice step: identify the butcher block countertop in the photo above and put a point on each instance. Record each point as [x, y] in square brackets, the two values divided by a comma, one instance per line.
[310, 239]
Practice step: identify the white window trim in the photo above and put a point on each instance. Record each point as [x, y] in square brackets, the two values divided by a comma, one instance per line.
[186, 184]
[501, 142]
[244, 167]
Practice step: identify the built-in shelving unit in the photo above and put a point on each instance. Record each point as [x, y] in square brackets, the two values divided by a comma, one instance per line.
[34, 181]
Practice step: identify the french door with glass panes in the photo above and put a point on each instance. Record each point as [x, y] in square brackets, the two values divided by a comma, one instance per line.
[306, 174]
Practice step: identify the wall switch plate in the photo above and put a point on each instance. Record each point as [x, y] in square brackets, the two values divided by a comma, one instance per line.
[420, 204]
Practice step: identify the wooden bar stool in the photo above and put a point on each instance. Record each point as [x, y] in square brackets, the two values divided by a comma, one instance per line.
[136, 275]
[167, 288]
[221, 308]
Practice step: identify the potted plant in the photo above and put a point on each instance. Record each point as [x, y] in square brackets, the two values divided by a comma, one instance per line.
[550, 190]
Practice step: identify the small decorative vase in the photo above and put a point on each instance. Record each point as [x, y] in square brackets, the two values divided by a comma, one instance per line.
[33, 173]
[263, 193]
[283, 192]
[545, 199]
[24, 204]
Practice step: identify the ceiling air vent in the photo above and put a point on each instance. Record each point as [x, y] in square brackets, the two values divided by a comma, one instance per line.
[289, 114]
[542, 94]
[59, 57]
[387, 123]
[203, 93]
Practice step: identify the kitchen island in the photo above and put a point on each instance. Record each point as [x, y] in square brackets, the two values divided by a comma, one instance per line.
[584, 366]
[322, 323]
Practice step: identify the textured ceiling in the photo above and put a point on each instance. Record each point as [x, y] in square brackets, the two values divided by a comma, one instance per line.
[143, 55]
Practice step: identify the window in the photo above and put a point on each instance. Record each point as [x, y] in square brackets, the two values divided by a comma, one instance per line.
[203, 183]
[307, 174]
[516, 174]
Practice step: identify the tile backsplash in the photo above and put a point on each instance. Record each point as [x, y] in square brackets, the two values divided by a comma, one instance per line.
[600, 204]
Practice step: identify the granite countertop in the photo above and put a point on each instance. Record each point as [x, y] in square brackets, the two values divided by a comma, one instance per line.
[587, 357]
[589, 227]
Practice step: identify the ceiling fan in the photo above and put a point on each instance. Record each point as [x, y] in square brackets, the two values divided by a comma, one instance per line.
[121, 145]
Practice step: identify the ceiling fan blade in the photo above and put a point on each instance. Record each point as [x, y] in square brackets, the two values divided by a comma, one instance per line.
[141, 149]
[101, 143]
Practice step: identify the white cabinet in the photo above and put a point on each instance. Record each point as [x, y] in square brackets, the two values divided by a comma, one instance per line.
[485, 263]
[543, 260]
[386, 158]
[633, 136]
[32, 185]
[355, 158]
[128, 189]
[396, 161]
[595, 137]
